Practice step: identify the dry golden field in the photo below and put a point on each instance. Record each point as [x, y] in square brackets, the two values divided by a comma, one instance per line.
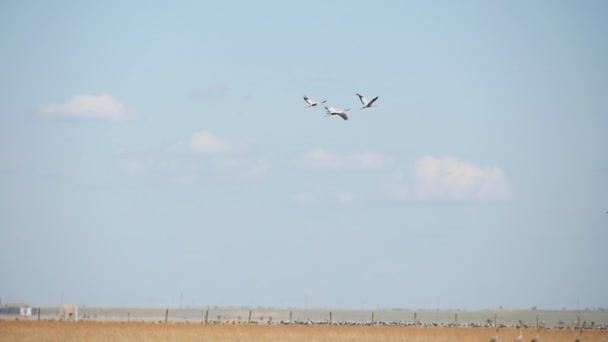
[121, 331]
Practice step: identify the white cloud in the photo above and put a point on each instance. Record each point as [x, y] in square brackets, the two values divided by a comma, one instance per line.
[451, 178]
[305, 197]
[207, 143]
[345, 198]
[89, 107]
[323, 159]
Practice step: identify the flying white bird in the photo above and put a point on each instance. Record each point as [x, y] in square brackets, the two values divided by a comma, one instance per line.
[311, 103]
[334, 111]
[365, 102]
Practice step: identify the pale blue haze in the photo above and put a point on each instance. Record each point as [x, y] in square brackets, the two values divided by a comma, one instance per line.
[122, 214]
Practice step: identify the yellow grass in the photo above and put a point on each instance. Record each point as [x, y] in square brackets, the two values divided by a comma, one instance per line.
[138, 331]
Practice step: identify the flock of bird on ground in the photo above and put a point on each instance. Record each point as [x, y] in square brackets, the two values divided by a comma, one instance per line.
[519, 338]
[366, 103]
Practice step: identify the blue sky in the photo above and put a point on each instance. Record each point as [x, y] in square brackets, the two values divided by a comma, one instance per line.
[158, 149]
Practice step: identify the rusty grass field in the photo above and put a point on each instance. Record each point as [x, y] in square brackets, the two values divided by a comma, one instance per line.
[138, 331]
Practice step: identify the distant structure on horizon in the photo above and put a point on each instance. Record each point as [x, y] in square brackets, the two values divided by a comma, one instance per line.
[68, 312]
[17, 309]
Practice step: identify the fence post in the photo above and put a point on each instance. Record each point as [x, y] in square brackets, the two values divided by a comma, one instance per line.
[372, 318]
[166, 315]
[249, 319]
[495, 326]
[456, 319]
[578, 322]
[206, 315]
[330, 318]
[415, 318]
[290, 316]
[536, 322]
[38, 313]
[128, 317]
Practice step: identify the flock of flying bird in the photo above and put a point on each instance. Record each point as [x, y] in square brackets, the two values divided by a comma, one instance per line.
[366, 103]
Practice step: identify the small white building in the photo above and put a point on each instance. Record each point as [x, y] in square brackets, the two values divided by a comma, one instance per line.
[16, 309]
[68, 312]
[25, 311]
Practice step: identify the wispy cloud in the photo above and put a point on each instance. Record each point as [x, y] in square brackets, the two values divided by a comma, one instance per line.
[345, 198]
[260, 168]
[323, 159]
[304, 197]
[206, 143]
[449, 177]
[132, 166]
[186, 179]
[452, 179]
[308, 198]
[181, 170]
[398, 189]
[231, 157]
[320, 159]
[89, 107]
[244, 167]
[369, 160]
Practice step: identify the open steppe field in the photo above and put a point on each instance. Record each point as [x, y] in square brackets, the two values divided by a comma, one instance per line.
[138, 331]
